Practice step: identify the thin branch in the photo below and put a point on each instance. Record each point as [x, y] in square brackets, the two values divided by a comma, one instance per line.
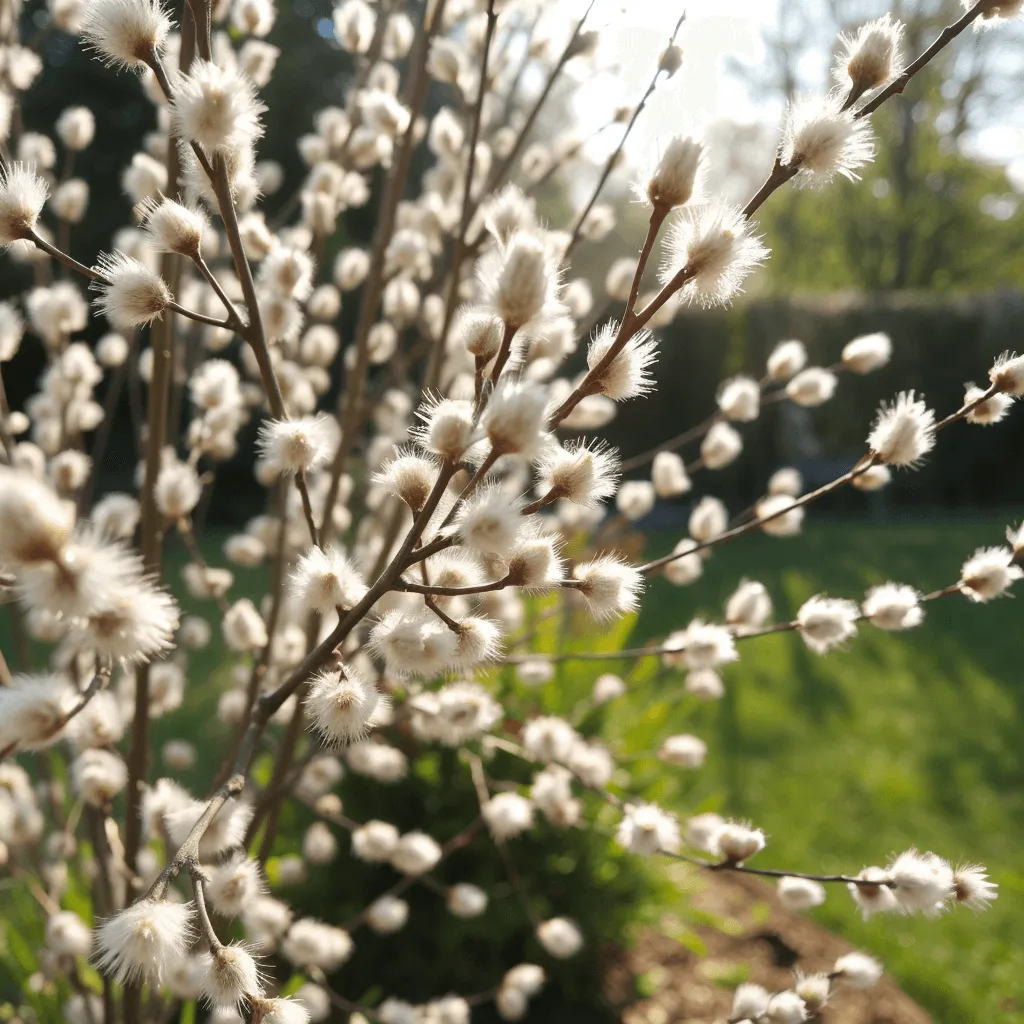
[198, 887]
[948, 34]
[739, 634]
[862, 466]
[373, 288]
[780, 175]
[501, 171]
[459, 250]
[612, 161]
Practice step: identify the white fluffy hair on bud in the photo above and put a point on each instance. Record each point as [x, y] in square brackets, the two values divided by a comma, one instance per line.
[867, 353]
[822, 140]
[582, 471]
[341, 704]
[142, 941]
[1007, 373]
[989, 573]
[626, 374]
[713, 249]
[507, 815]
[490, 521]
[858, 970]
[904, 431]
[172, 227]
[301, 445]
[827, 622]
[609, 587]
[786, 360]
[284, 1009]
[131, 295]
[514, 418]
[812, 387]
[986, 411]
[739, 399]
[520, 279]
[672, 179]
[799, 893]
[871, 56]
[216, 107]
[127, 33]
[709, 519]
[415, 854]
[893, 606]
[736, 842]
[646, 829]
[231, 976]
[560, 936]
[23, 194]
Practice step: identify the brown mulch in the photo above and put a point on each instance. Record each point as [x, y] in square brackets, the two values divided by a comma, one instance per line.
[689, 989]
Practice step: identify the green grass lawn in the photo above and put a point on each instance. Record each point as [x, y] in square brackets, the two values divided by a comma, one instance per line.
[900, 740]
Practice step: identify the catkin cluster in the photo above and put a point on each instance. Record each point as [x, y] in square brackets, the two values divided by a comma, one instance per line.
[436, 486]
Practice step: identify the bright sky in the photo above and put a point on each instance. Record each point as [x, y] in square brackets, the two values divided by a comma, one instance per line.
[703, 90]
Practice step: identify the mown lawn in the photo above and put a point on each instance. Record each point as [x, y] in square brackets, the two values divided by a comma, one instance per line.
[900, 740]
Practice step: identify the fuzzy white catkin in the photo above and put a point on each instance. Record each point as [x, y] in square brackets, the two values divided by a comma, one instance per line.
[23, 194]
[387, 914]
[785, 1008]
[858, 970]
[507, 815]
[799, 893]
[812, 387]
[505, 496]
[1007, 373]
[668, 474]
[750, 605]
[904, 431]
[708, 519]
[607, 687]
[127, 33]
[671, 182]
[140, 942]
[68, 934]
[988, 573]
[635, 499]
[172, 227]
[466, 900]
[871, 56]
[131, 295]
[297, 446]
[735, 842]
[231, 976]
[714, 248]
[76, 127]
[867, 353]
[216, 108]
[683, 751]
[786, 360]
[739, 399]
[721, 446]
[646, 829]
[825, 622]
[415, 854]
[626, 374]
[821, 140]
[749, 1002]
[560, 937]
[986, 411]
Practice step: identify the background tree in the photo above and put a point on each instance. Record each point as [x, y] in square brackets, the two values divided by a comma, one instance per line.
[928, 186]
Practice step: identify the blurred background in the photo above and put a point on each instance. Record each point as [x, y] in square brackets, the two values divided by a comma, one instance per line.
[902, 740]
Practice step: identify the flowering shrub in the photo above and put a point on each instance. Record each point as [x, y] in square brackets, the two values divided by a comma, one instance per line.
[455, 472]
